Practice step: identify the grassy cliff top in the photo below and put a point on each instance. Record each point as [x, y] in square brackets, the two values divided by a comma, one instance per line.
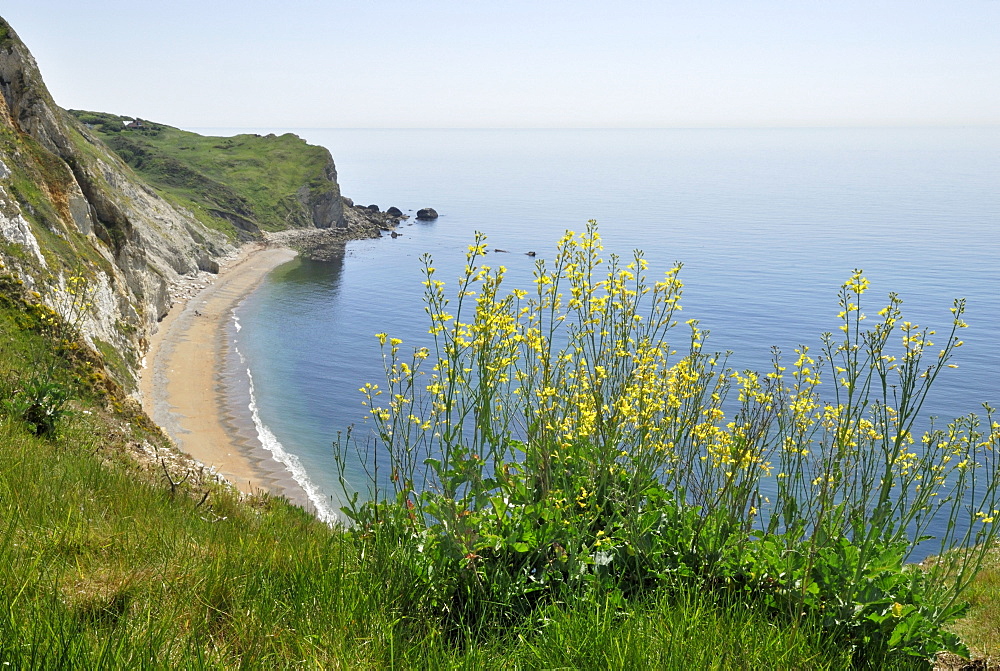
[241, 184]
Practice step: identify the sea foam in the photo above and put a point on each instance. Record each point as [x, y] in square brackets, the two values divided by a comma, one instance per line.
[323, 508]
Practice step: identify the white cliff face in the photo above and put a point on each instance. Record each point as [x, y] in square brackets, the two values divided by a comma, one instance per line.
[14, 228]
[163, 242]
[61, 189]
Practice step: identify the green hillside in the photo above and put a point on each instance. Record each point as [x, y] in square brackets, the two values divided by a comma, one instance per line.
[240, 184]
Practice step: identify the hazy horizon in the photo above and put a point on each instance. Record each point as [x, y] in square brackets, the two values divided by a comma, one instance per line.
[557, 64]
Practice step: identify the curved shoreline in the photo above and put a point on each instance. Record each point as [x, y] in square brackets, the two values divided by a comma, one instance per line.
[183, 383]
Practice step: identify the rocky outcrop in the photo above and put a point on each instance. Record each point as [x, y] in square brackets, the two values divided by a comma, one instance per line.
[326, 244]
[427, 213]
[363, 217]
[324, 202]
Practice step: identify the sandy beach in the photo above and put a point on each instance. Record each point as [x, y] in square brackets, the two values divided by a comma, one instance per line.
[183, 386]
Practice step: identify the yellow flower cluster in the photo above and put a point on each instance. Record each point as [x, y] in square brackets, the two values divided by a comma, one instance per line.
[577, 374]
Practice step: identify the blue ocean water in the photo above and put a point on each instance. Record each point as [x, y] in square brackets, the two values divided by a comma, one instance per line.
[768, 224]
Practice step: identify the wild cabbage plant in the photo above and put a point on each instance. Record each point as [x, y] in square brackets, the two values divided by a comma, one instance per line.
[42, 399]
[552, 442]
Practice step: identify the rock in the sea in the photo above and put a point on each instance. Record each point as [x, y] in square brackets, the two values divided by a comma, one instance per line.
[394, 212]
[427, 213]
[373, 208]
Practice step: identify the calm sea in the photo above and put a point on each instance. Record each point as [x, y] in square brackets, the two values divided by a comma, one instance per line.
[768, 224]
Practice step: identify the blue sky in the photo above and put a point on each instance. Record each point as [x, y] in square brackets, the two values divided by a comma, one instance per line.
[464, 63]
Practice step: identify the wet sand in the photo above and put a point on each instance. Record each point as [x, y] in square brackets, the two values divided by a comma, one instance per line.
[183, 385]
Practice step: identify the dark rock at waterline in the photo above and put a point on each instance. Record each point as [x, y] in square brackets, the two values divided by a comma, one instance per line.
[328, 244]
[367, 217]
[427, 213]
[394, 212]
[373, 208]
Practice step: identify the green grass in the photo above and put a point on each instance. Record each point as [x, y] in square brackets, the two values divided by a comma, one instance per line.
[684, 631]
[101, 572]
[980, 628]
[244, 182]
